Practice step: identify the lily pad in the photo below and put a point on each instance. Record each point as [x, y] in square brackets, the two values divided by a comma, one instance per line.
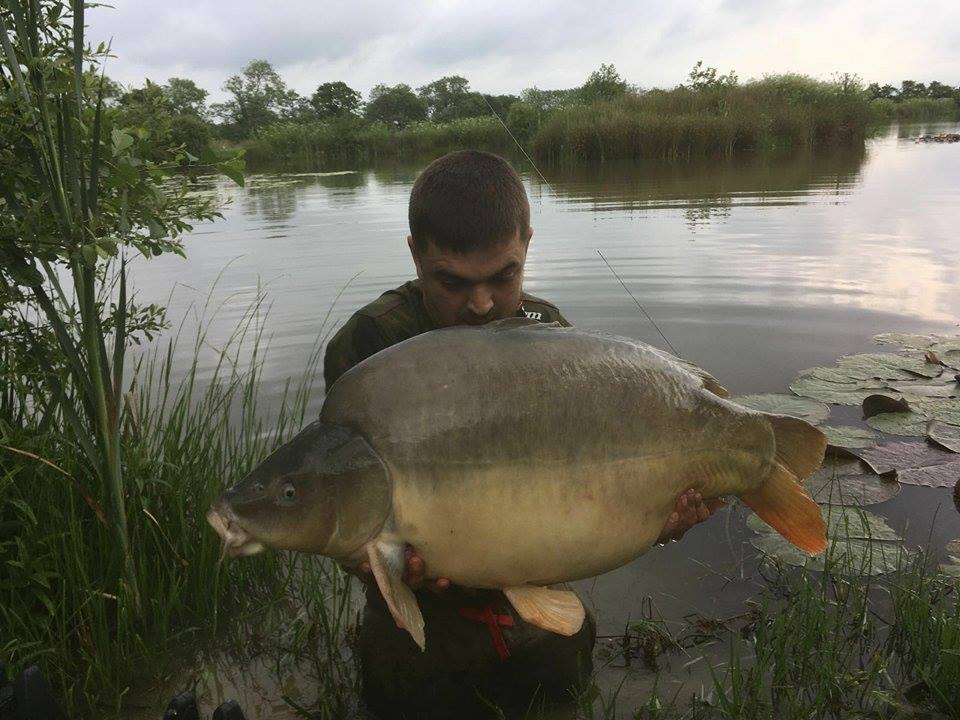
[944, 409]
[908, 423]
[781, 404]
[945, 345]
[946, 436]
[951, 358]
[909, 340]
[860, 543]
[918, 391]
[849, 436]
[887, 366]
[945, 475]
[836, 393]
[849, 483]
[903, 456]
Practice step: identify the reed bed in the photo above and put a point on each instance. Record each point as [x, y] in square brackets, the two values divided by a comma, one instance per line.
[317, 145]
[774, 114]
[183, 440]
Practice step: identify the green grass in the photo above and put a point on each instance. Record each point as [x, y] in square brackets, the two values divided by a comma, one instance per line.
[182, 442]
[820, 646]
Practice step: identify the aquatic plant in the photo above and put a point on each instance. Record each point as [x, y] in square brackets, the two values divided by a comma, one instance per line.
[775, 113]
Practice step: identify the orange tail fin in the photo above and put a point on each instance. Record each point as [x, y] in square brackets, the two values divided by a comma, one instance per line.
[782, 502]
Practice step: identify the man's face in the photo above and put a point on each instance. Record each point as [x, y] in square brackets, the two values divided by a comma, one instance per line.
[472, 288]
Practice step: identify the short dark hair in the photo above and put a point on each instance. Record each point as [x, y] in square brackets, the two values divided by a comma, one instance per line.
[468, 200]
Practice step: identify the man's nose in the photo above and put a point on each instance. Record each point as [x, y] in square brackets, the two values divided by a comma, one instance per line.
[480, 302]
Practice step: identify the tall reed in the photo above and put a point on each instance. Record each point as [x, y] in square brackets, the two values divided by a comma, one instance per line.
[188, 432]
[776, 113]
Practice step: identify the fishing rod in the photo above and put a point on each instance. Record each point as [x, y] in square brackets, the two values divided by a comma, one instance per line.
[550, 188]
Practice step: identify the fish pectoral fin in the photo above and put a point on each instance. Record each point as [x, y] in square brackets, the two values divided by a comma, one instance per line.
[558, 611]
[387, 562]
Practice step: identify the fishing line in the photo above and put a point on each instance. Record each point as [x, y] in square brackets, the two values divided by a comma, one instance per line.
[552, 192]
[672, 348]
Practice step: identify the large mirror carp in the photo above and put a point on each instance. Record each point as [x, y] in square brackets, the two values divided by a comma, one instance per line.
[516, 455]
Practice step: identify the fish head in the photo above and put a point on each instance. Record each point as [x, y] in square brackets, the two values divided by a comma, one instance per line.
[325, 492]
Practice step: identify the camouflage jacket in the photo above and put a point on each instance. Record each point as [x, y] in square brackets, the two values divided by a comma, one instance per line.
[395, 316]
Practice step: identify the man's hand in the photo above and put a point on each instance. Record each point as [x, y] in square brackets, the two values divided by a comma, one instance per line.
[412, 576]
[690, 510]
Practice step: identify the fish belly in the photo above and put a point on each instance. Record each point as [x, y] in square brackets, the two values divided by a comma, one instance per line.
[506, 526]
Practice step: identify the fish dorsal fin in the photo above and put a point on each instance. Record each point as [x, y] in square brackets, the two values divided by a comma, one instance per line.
[387, 562]
[558, 611]
[710, 383]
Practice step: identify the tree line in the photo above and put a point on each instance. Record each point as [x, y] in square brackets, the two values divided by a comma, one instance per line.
[258, 98]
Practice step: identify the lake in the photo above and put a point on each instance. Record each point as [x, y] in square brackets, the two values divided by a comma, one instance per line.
[754, 269]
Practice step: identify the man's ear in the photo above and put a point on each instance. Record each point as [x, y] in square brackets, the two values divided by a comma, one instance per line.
[414, 254]
[529, 233]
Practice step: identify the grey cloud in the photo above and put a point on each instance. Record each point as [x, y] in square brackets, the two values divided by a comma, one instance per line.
[505, 45]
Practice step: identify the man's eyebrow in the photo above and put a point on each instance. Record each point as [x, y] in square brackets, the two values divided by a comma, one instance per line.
[453, 277]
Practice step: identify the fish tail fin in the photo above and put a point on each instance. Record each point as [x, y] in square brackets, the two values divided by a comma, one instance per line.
[782, 502]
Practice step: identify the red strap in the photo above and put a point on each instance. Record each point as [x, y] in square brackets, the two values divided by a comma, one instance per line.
[493, 623]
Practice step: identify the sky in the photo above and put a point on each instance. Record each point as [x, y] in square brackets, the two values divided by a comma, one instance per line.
[506, 46]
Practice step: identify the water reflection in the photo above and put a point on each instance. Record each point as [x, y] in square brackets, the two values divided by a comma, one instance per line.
[650, 185]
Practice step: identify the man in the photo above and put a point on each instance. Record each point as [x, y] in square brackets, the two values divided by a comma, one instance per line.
[469, 233]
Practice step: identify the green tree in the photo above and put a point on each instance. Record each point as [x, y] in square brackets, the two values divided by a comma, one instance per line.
[259, 97]
[397, 105]
[147, 108]
[547, 100]
[604, 83]
[876, 91]
[848, 83]
[912, 89]
[335, 100]
[186, 97]
[941, 90]
[450, 98]
[702, 78]
[501, 104]
[523, 119]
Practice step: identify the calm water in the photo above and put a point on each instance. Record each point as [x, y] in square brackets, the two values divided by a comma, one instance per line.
[753, 269]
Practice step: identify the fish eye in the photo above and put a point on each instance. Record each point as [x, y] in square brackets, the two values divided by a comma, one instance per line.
[289, 491]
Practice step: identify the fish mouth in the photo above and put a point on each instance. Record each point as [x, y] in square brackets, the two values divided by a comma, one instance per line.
[237, 542]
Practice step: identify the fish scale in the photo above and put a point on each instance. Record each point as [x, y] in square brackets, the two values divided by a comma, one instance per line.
[518, 453]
